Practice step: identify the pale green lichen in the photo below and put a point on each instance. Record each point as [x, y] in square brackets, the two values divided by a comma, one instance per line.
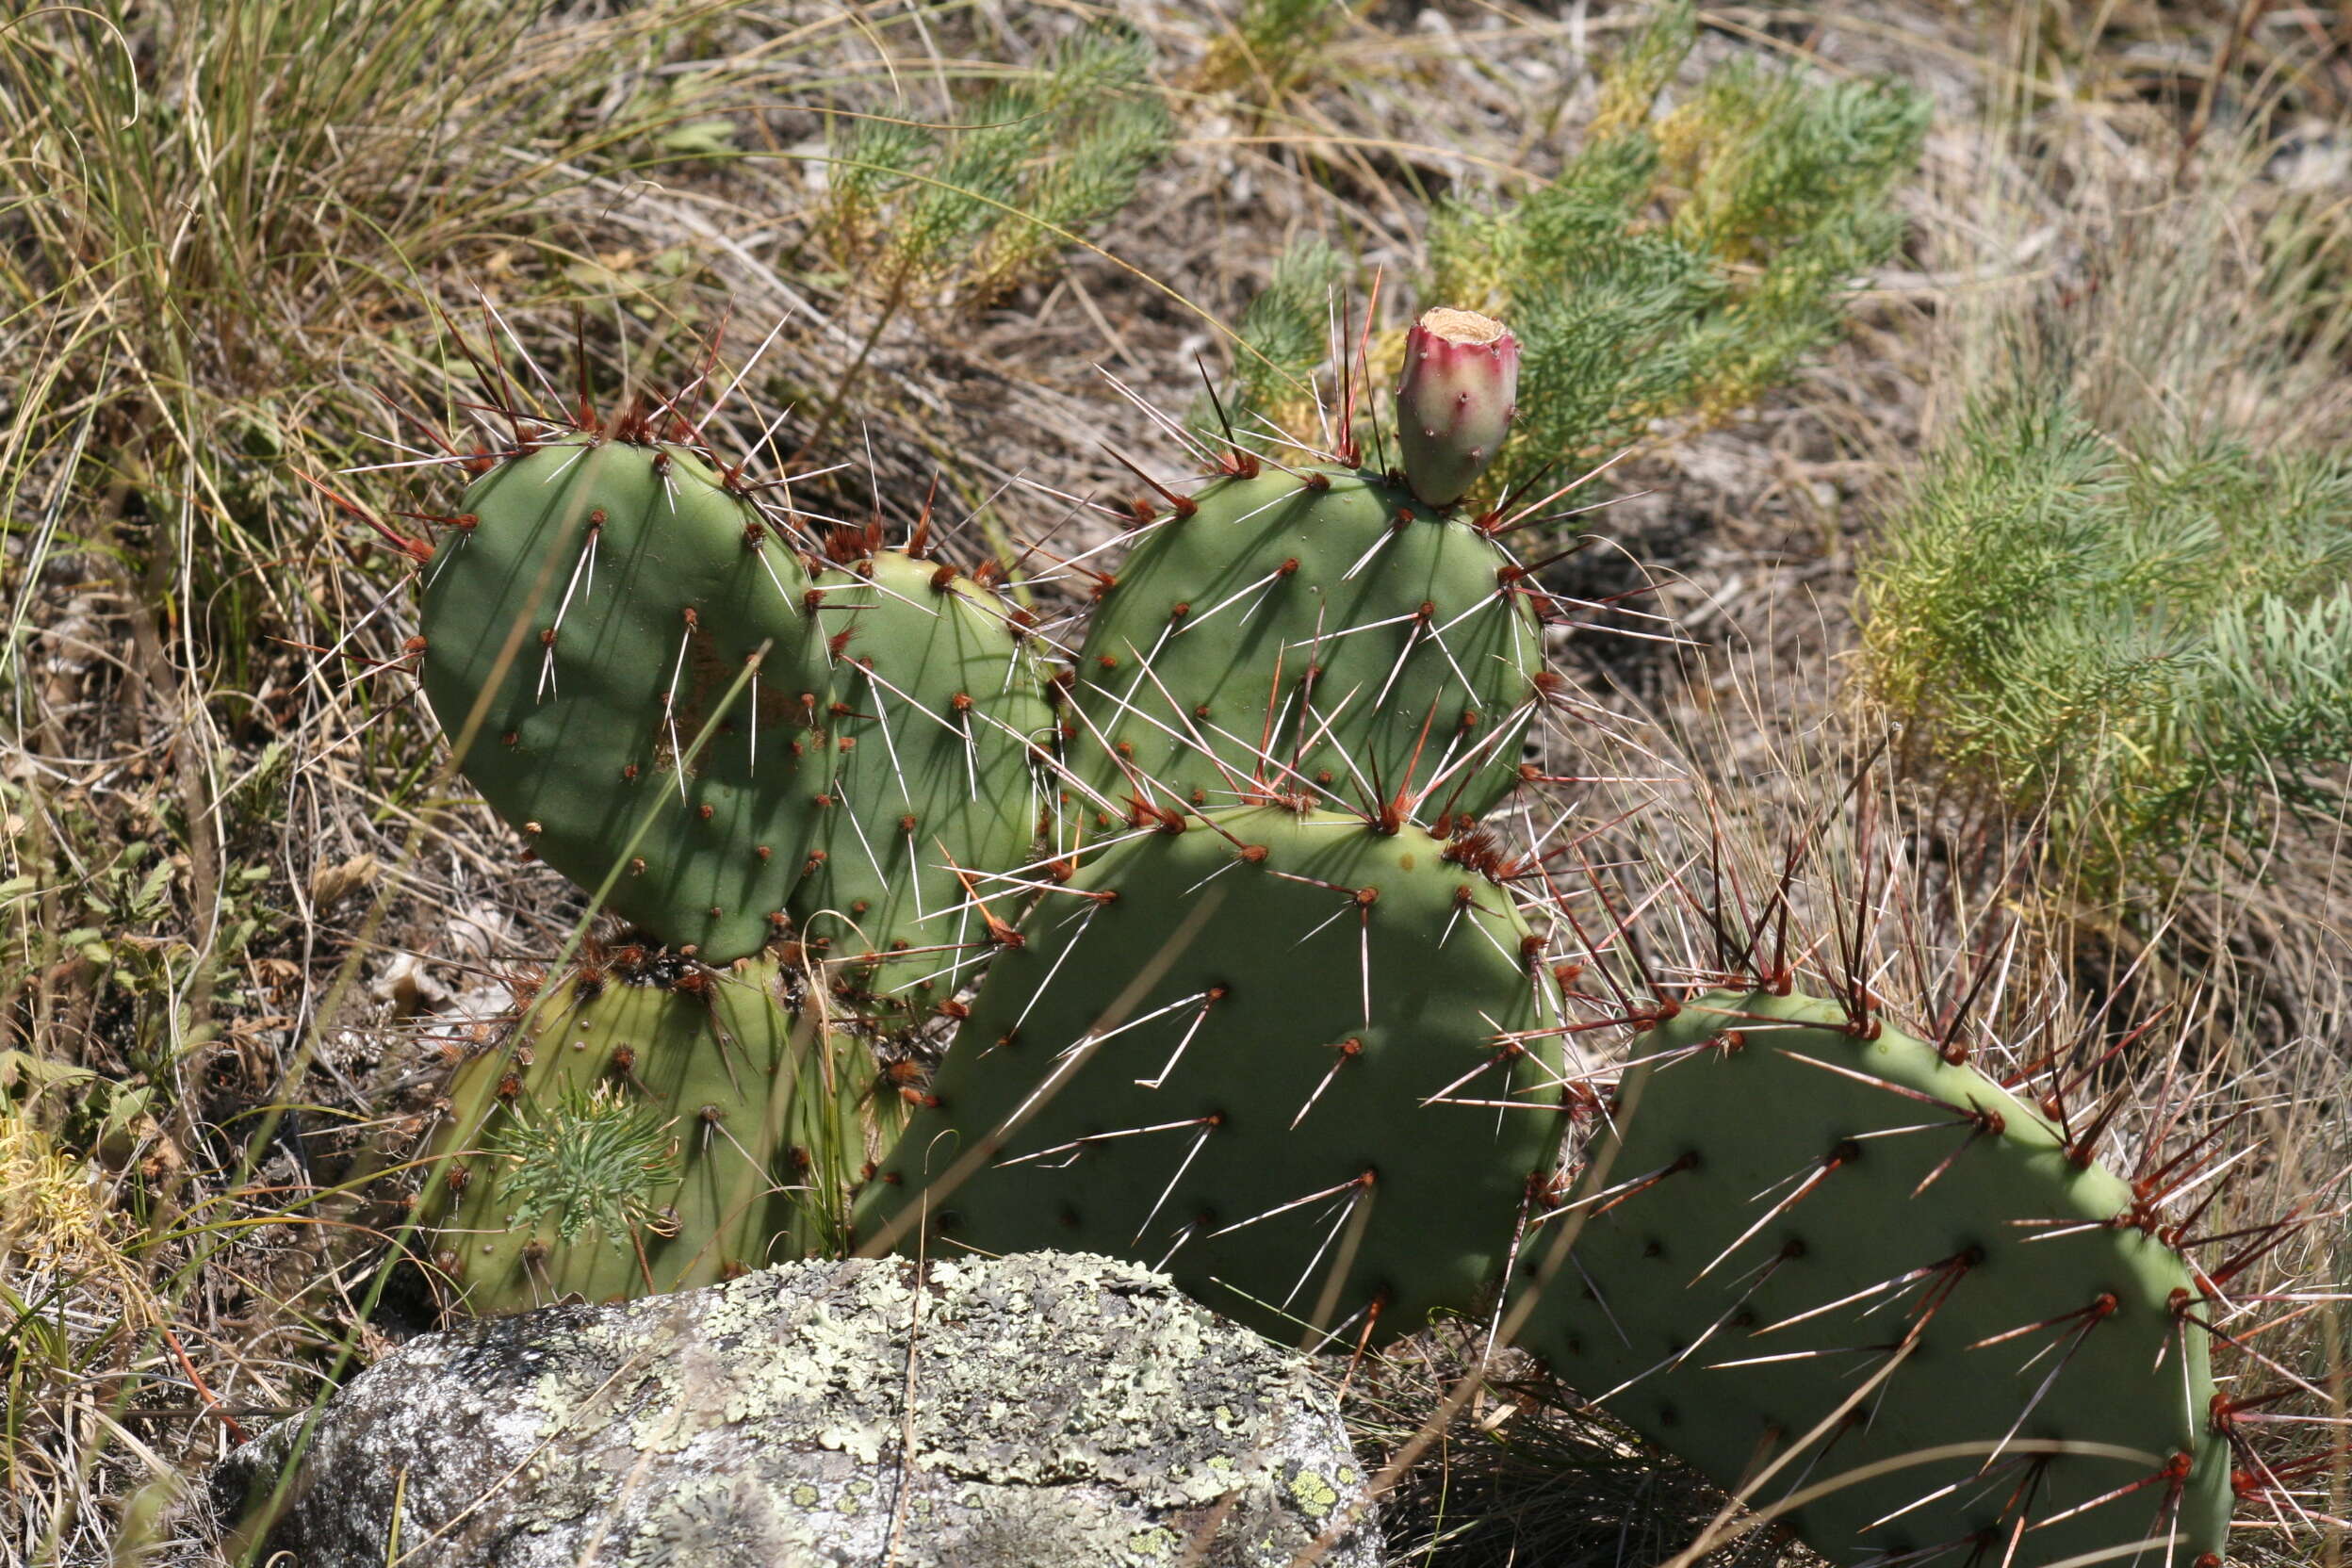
[1316, 1495]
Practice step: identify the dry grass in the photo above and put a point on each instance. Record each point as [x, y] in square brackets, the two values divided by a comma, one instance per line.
[238, 893]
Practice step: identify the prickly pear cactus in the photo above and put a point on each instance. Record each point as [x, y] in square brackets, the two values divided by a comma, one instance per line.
[583, 623]
[600, 605]
[923, 765]
[653, 1125]
[1304, 1065]
[1796, 1209]
[1318, 631]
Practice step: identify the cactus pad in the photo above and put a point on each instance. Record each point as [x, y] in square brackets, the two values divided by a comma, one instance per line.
[1793, 1207]
[1276, 1053]
[924, 764]
[651, 1126]
[1325, 632]
[580, 631]
[597, 607]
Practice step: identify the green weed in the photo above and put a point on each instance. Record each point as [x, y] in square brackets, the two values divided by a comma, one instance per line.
[2117, 588]
[2154, 641]
[588, 1161]
[966, 210]
[1682, 263]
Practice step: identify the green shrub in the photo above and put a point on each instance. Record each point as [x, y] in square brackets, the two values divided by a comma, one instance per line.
[2151, 636]
[974, 207]
[1683, 262]
[1680, 264]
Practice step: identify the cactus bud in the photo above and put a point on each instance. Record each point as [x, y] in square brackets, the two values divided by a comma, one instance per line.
[1454, 407]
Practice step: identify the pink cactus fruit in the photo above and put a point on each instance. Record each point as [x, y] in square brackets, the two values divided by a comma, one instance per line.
[1454, 408]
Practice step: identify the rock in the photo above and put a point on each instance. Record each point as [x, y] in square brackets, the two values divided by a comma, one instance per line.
[1063, 1410]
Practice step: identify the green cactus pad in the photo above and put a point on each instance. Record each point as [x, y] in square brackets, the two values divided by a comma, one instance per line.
[2037, 1312]
[1214, 1054]
[655, 1127]
[924, 765]
[580, 634]
[1358, 614]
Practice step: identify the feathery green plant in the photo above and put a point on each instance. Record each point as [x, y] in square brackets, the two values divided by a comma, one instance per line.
[1683, 263]
[2154, 636]
[973, 207]
[588, 1161]
[1270, 46]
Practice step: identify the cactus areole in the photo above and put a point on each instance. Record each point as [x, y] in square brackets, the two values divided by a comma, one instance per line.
[1454, 408]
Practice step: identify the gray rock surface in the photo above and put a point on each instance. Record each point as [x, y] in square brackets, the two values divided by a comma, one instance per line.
[1059, 1410]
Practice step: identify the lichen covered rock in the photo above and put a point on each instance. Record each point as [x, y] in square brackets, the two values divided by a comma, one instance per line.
[1057, 1409]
